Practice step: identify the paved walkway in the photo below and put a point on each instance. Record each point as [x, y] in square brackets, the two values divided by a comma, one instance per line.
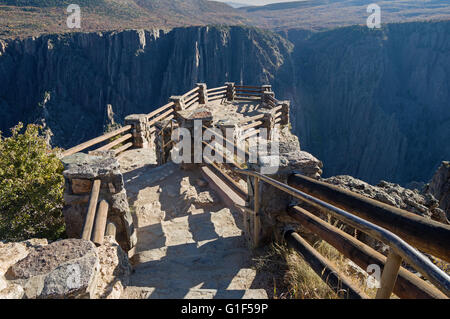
[189, 244]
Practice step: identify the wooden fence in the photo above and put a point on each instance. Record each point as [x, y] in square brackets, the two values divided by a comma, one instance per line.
[394, 278]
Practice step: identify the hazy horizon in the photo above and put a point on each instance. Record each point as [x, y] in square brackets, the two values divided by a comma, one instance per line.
[256, 2]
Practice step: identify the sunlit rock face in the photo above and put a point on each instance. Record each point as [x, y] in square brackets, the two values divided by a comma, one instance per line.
[373, 104]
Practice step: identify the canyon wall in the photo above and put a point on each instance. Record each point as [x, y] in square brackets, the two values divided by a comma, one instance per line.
[374, 104]
[70, 79]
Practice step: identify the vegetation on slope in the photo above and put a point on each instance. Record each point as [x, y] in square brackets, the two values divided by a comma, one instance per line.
[327, 14]
[31, 186]
[22, 18]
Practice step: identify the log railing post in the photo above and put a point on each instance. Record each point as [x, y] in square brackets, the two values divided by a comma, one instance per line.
[285, 109]
[179, 102]
[100, 223]
[266, 88]
[389, 275]
[265, 98]
[141, 135]
[231, 91]
[90, 217]
[202, 93]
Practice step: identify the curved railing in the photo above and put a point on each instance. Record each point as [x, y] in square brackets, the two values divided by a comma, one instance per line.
[400, 250]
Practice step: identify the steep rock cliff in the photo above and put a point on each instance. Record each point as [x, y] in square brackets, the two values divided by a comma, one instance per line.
[373, 104]
[69, 79]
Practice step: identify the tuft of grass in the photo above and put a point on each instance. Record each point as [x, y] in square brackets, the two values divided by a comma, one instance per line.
[292, 276]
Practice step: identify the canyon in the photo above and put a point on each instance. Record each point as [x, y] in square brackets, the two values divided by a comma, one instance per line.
[373, 104]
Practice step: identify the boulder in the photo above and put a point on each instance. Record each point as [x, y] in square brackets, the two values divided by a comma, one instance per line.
[63, 269]
[11, 291]
[114, 270]
[413, 201]
[439, 187]
[11, 253]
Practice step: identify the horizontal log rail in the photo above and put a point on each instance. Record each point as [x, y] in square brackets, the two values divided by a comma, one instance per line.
[192, 102]
[194, 90]
[278, 114]
[247, 87]
[430, 236]
[224, 156]
[217, 93]
[96, 140]
[160, 117]
[159, 110]
[251, 125]
[272, 98]
[401, 248]
[272, 104]
[228, 179]
[109, 146]
[249, 91]
[123, 148]
[247, 94]
[249, 133]
[407, 285]
[236, 148]
[252, 118]
[190, 98]
[247, 98]
[220, 88]
[276, 109]
[338, 282]
[217, 97]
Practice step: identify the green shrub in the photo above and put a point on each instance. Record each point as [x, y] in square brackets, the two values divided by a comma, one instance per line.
[31, 186]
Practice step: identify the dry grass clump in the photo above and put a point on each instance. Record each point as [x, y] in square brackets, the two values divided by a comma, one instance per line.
[293, 278]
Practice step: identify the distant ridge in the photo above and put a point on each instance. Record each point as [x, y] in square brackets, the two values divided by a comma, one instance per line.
[22, 18]
[328, 14]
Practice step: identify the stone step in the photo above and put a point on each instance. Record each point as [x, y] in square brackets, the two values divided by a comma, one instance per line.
[133, 292]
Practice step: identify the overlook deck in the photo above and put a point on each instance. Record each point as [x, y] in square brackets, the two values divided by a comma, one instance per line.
[189, 244]
[186, 242]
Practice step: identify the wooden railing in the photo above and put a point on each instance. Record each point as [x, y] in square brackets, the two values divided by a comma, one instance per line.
[399, 249]
[101, 139]
[217, 93]
[94, 227]
[191, 98]
[167, 112]
[248, 92]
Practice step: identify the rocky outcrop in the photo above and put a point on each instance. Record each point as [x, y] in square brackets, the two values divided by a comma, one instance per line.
[81, 170]
[63, 269]
[71, 268]
[439, 187]
[413, 201]
[71, 79]
[114, 270]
